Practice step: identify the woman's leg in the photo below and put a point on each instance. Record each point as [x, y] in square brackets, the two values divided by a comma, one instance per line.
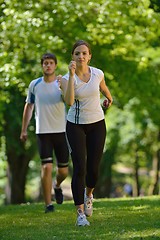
[77, 142]
[95, 144]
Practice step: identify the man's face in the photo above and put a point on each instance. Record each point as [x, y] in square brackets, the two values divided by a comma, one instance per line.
[48, 67]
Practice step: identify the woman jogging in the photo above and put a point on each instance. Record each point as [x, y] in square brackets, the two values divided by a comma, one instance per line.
[86, 130]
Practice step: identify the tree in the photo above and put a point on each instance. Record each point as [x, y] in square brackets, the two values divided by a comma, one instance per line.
[125, 40]
[18, 154]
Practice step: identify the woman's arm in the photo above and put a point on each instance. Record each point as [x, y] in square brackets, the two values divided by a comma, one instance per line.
[68, 86]
[105, 91]
[68, 90]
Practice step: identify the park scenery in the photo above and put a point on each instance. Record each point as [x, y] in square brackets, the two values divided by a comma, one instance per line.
[125, 40]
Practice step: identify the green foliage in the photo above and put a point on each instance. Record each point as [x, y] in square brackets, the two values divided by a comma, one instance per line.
[136, 218]
[155, 4]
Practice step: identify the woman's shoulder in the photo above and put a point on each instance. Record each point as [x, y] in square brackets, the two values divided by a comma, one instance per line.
[96, 71]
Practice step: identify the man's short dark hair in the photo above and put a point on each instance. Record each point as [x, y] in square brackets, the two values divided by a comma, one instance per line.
[48, 56]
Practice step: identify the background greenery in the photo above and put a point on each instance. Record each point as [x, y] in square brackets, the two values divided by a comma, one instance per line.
[124, 36]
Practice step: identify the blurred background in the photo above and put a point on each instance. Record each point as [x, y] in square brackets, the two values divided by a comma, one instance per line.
[125, 40]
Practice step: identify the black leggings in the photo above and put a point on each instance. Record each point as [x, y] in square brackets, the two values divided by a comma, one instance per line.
[86, 142]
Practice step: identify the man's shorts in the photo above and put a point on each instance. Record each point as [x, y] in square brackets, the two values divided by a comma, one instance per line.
[49, 142]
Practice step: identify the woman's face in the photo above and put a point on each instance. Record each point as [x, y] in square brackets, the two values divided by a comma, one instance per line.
[81, 55]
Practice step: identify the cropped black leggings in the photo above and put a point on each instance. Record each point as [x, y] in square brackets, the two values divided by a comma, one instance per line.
[86, 143]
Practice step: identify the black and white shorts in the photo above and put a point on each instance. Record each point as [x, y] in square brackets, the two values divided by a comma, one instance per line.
[49, 142]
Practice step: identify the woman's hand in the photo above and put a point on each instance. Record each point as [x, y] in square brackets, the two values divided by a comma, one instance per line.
[107, 103]
[72, 68]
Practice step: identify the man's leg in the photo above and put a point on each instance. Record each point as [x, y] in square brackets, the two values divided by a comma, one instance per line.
[46, 151]
[60, 176]
[46, 178]
[62, 156]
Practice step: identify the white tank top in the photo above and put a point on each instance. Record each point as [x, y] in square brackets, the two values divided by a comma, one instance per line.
[50, 114]
[87, 106]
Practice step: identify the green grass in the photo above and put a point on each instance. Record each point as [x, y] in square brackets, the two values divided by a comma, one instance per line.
[125, 218]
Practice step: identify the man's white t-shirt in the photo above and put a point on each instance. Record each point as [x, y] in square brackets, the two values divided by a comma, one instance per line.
[87, 106]
[50, 113]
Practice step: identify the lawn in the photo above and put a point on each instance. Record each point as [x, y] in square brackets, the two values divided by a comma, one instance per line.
[125, 218]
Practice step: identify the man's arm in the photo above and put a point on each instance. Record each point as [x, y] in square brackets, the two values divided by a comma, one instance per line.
[27, 115]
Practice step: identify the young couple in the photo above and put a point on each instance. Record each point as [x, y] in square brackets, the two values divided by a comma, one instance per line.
[85, 128]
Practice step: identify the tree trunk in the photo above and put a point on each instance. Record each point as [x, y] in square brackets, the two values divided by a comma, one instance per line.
[18, 154]
[154, 187]
[136, 188]
[103, 187]
[16, 172]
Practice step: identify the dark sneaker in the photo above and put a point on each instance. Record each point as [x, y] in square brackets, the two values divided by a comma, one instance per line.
[49, 208]
[58, 195]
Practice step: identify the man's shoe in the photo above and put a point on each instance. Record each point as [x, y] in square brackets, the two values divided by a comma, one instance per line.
[88, 205]
[49, 208]
[58, 195]
[81, 219]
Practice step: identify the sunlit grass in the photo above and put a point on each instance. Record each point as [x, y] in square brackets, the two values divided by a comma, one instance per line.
[126, 218]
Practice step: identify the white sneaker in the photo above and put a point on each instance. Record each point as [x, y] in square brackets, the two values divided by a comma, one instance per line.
[81, 219]
[88, 205]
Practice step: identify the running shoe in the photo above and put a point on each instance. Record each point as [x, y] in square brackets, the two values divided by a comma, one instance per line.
[58, 195]
[81, 219]
[88, 205]
[49, 208]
